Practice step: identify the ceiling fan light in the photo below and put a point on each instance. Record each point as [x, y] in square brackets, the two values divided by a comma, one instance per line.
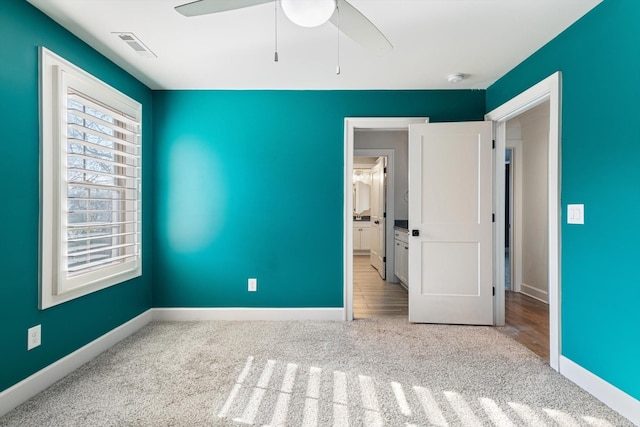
[308, 13]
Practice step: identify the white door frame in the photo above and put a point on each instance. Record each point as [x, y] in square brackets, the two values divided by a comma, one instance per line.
[547, 90]
[350, 126]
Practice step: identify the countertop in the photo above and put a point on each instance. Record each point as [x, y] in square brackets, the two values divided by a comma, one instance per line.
[401, 225]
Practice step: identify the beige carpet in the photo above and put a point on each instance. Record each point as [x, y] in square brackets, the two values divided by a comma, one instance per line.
[362, 373]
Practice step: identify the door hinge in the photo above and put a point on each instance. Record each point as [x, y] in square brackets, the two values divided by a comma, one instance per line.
[493, 217]
[384, 259]
[493, 144]
[385, 170]
[384, 215]
[494, 291]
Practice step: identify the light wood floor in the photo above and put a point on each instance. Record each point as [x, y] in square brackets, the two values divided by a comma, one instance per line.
[374, 297]
[527, 321]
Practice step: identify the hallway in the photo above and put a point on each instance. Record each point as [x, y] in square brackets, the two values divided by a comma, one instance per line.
[374, 297]
[527, 321]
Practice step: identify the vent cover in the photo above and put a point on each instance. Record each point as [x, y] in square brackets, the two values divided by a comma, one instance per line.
[136, 44]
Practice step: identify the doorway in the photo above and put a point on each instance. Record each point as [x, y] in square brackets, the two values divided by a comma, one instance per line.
[370, 125]
[375, 294]
[545, 92]
[526, 229]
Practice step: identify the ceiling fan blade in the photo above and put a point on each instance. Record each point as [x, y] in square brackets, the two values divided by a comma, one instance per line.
[357, 27]
[204, 7]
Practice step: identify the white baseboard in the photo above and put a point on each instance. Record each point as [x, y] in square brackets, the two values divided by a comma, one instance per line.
[615, 398]
[610, 395]
[534, 293]
[34, 384]
[192, 314]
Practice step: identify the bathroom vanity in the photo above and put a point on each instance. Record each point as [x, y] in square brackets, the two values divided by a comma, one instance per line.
[361, 235]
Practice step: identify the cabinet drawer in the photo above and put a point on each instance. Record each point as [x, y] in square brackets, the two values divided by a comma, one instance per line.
[402, 236]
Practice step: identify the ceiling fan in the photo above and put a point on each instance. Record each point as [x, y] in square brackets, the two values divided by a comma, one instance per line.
[307, 13]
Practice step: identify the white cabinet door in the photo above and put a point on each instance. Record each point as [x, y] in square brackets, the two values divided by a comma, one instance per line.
[397, 267]
[401, 245]
[404, 265]
[357, 241]
[361, 236]
[365, 238]
[450, 206]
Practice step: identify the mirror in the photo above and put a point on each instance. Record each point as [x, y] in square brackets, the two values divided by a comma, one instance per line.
[361, 198]
[361, 191]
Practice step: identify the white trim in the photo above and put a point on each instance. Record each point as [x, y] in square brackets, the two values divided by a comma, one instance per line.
[535, 293]
[350, 125]
[10, 398]
[390, 201]
[34, 384]
[547, 90]
[39, 381]
[279, 314]
[613, 397]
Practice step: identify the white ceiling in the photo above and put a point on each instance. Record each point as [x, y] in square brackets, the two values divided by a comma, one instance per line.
[234, 50]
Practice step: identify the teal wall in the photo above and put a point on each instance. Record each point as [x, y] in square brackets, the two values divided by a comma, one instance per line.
[71, 325]
[250, 184]
[599, 57]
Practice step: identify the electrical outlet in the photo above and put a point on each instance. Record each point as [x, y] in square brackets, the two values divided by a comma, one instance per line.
[33, 337]
[253, 285]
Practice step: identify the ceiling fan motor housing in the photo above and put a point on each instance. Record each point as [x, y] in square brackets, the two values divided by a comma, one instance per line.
[308, 13]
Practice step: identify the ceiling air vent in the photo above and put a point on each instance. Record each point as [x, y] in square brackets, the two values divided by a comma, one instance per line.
[136, 44]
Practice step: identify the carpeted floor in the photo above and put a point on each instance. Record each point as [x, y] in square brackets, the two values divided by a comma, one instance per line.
[362, 373]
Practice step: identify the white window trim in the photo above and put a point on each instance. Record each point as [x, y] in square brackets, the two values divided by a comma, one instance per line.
[55, 74]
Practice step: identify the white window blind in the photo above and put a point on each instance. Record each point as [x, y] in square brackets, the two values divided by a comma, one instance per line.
[91, 207]
[103, 171]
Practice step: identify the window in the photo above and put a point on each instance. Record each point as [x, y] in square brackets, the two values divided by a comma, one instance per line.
[90, 183]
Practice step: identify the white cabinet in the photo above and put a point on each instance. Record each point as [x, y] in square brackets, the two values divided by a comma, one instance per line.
[361, 236]
[401, 252]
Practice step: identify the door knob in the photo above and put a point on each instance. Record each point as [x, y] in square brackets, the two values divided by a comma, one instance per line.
[376, 222]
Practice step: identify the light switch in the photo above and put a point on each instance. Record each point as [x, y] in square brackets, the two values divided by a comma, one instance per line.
[575, 214]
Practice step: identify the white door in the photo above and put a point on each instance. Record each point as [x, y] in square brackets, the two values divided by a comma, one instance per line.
[450, 221]
[377, 254]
